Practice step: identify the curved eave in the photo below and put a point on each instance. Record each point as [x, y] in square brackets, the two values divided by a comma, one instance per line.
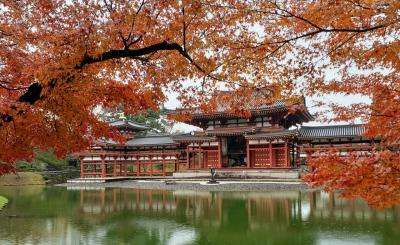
[216, 115]
[195, 140]
[308, 138]
[233, 115]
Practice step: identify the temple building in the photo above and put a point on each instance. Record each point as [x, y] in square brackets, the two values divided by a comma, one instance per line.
[269, 138]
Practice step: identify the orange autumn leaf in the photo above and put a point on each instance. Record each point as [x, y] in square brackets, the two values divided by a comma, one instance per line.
[62, 60]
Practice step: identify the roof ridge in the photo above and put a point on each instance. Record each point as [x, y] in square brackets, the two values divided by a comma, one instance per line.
[152, 136]
[331, 126]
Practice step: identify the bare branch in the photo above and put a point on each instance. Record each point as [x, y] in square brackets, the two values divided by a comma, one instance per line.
[297, 16]
[135, 41]
[11, 88]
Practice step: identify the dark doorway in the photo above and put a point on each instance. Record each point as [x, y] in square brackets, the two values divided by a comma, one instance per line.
[236, 151]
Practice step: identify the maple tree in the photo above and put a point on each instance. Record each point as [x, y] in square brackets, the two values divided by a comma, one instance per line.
[59, 61]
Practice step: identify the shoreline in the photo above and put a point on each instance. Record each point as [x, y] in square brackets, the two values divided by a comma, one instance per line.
[224, 185]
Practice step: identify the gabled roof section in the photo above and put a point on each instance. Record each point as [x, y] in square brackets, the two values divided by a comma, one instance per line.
[297, 108]
[335, 131]
[123, 124]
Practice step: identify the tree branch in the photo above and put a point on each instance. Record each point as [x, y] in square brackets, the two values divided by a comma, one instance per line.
[11, 88]
[136, 54]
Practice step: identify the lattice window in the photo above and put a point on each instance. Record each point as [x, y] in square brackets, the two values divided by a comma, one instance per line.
[261, 156]
[280, 157]
[211, 157]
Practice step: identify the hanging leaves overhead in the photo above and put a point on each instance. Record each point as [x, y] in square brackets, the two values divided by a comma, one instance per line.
[60, 60]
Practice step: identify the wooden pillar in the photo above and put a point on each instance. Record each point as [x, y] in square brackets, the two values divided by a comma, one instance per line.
[286, 154]
[187, 157]
[151, 166]
[125, 166]
[82, 167]
[115, 167]
[219, 154]
[163, 165]
[103, 167]
[177, 163]
[248, 154]
[298, 160]
[271, 159]
[138, 165]
[199, 157]
[292, 156]
[205, 159]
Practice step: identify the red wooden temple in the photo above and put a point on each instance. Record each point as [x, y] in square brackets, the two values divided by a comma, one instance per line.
[270, 138]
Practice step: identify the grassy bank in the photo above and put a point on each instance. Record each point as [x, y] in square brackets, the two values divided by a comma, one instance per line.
[22, 178]
[3, 202]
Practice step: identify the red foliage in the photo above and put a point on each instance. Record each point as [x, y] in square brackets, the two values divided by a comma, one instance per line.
[375, 178]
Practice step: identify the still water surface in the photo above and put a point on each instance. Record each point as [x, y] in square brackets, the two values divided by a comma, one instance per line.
[55, 215]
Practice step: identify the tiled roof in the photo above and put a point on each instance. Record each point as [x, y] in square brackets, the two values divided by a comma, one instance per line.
[151, 141]
[128, 124]
[222, 110]
[312, 132]
[284, 134]
[336, 131]
[279, 104]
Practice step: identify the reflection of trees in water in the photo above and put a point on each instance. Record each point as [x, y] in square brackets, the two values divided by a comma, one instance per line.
[154, 216]
[275, 207]
[36, 214]
[246, 217]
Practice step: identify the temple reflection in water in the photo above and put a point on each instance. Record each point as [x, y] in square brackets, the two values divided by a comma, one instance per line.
[51, 215]
[288, 216]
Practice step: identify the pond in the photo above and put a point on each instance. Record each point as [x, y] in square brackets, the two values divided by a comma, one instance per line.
[57, 215]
